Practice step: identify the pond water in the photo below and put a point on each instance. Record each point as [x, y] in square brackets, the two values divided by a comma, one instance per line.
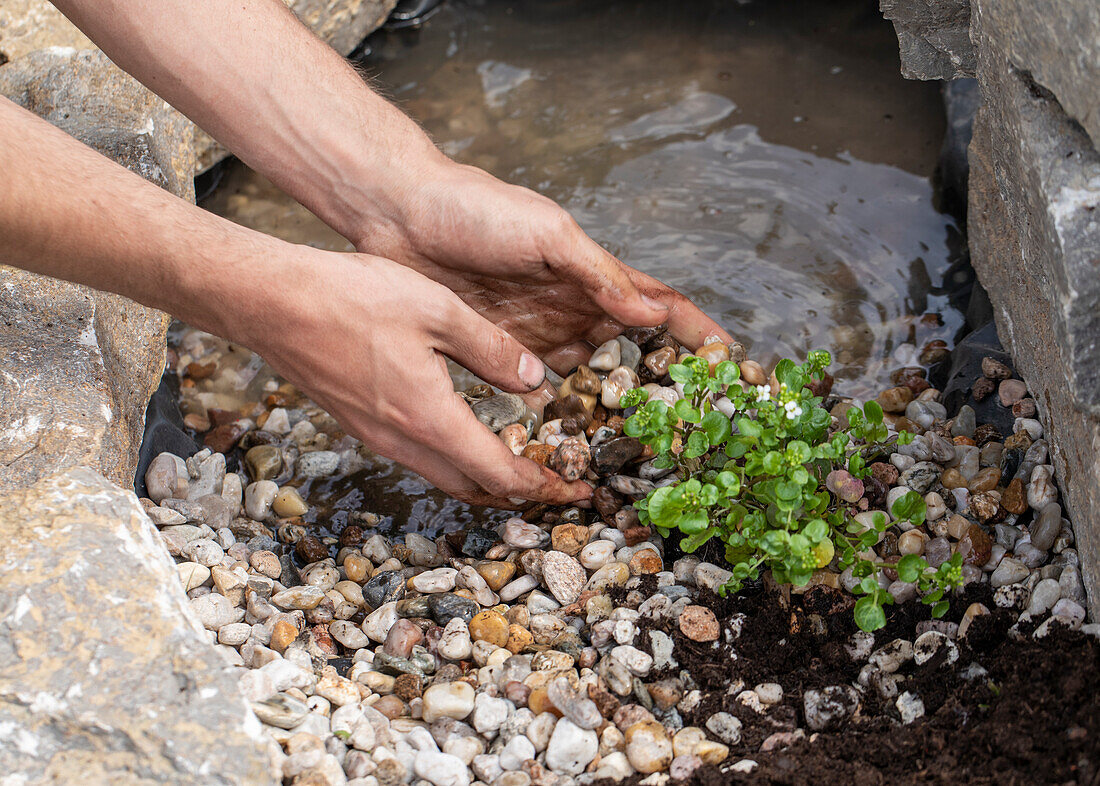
[765, 158]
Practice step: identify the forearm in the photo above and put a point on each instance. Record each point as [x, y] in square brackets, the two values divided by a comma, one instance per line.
[68, 212]
[263, 85]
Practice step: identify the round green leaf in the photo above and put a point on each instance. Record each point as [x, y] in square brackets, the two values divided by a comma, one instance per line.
[869, 614]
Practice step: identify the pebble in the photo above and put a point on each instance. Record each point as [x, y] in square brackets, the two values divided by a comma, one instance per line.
[318, 464]
[1041, 490]
[499, 410]
[521, 535]
[725, 727]
[448, 700]
[1010, 571]
[563, 576]
[571, 748]
[288, 503]
[648, 748]
[441, 769]
[698, 623]
[830, 707]
[607, 356]
[1010, 391]
[910, 707]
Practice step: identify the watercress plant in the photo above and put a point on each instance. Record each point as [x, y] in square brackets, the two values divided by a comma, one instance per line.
[753, 468]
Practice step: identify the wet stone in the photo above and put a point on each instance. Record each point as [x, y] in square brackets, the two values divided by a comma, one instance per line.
[264, 462]
[445, 607]
[384, 587]
[609, 457]
[632, 487]
[1047, 525]
[965, 423]
[570, 459]
[500, 410]
[920, 476]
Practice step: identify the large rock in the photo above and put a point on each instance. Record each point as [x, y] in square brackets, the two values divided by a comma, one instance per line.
[933, 36]
[1034, 224]
[105, 675]
[79, 365]
[1057, 42]
[29, 25]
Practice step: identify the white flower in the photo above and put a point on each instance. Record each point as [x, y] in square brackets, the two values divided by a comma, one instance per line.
[763, 392]
[793, 410]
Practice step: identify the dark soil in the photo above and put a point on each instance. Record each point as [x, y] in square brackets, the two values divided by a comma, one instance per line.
[1034, 718]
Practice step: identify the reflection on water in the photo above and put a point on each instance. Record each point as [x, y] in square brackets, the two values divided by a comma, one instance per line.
[765, 158]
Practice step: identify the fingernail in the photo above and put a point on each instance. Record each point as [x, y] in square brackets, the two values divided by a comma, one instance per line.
[531, 371]
[654, 304]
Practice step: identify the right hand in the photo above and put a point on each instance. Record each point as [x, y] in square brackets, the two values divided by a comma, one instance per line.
[366, 339]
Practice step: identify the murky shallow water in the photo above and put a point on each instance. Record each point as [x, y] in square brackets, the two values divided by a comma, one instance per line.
[764, 158]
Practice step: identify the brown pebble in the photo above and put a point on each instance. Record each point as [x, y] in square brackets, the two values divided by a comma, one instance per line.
[283, 633]
[569, 538]
[519, 639]
[606, 702]
[1014, 500]
[223, 438]
[402, 637]
[1024, 408]
[961, 440]
[895, 399]
[357, 567]
[976, 545]
[539, 702]
[714, 353]
[606, 502]
[984, 505]
[885, 473]
[310, 549]
[1021, 439]
[752, 372]
[645, 563]
[196, 421]
[391, 706]
[408, 686]
[538, 452]
[517, 693]
[489, 626]
[1010, 391]
[698, 623]
[982, 388]
[585, 380]
[659, 360]
[952, 479]
[995, 369]
[636, 534]
[985, 480]
[496, 573]
[935, 351]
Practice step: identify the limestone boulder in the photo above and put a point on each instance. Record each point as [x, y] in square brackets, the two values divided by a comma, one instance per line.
[105, 674]
[933, 37]
[1057, 42]
[1034, 226]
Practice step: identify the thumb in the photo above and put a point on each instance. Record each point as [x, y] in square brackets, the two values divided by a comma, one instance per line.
[487, 350]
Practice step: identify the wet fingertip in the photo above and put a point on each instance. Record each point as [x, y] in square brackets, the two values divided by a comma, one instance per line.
[656, 305]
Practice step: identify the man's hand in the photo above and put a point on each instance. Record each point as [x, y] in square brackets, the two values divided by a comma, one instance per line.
[521, 261]
[260, 83]
[366, 339]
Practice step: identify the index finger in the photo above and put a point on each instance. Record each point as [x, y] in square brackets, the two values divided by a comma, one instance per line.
[686, 322]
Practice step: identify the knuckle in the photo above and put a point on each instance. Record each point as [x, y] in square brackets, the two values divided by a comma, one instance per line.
[497, 349]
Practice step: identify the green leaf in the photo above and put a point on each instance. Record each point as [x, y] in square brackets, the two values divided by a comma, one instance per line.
[910, 506]
[633, 426]
[873, 411]
[728, 482]
[869, 584]
[798, 452]
[773, 462]
[686, 412]
[693, 522]
[940, 608]
[749, 427]
[662, 508]
[869, 614]
[694, 542]
[904, 437]
[816, 530]
[788, 491]
[697, 445]
[727, 373]
[343, 734]
[717, 427]
[783, 372]
[679, 373]
[910, 567]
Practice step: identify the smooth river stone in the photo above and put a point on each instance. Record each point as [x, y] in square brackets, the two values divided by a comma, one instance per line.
[496, 574]
[444, 608]
[401, 638]
[521, 535]
[500, 410]
[438, 580]
[630, 354]
[384, 587]
[570, 459]
[1047, 525]
[632, 487]
[264, 461]
[610, 456]
[607, 356]
[563, 576]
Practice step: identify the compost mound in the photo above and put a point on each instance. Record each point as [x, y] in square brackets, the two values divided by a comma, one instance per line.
[1032, 716]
